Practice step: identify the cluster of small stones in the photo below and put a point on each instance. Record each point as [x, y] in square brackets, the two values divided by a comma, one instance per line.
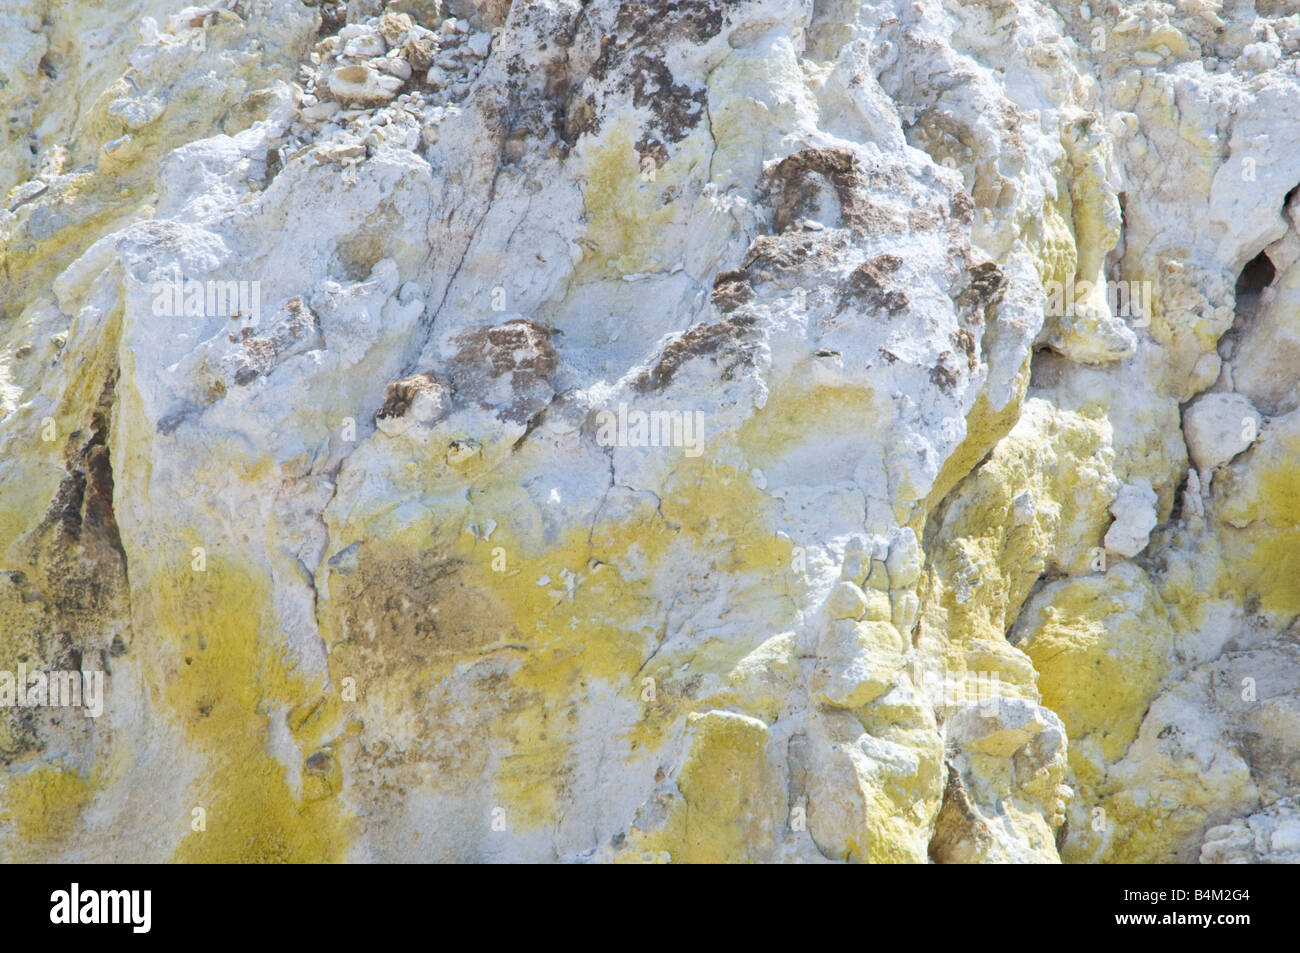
[1224, 45]
[387, 80]
[53, 164]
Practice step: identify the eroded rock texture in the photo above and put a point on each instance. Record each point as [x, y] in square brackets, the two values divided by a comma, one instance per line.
[610, 431]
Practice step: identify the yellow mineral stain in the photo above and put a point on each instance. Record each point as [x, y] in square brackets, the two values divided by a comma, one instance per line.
[711, 518]
[794, 417]
[1262, 494]
[985, 427]
[224, 678]
[576, 614]
[1051, 241]
[985, 557]
[628, 207]
[45, 804]
[1101, 652]
[727, 787]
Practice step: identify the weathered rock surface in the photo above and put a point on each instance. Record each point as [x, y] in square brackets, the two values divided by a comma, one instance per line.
[640, 432]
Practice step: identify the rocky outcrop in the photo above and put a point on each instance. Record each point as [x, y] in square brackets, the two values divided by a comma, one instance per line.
[638, 432]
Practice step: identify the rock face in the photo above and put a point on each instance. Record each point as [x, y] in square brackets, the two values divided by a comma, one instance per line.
[631, 432]
[1218, 427]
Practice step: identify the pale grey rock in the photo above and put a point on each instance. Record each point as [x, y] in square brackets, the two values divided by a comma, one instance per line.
[1271, 836]
[825, 228]
[1134, 510]
[363, 85]
[1218, 427]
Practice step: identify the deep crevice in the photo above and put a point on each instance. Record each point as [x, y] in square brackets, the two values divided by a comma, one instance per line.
[1258, 274]
[1254, 278]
